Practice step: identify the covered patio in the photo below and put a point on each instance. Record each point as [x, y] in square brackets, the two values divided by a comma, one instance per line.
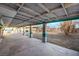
[19, 16]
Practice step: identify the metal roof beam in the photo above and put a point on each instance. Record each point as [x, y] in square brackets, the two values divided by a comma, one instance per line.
[29, 16]
[46, 9]
[64, 9]
[25, 19]
[58, 19]
[50, 11]
[25, 14]
[31, 10]
[22, 23]
[16, 13]
[43, 7]
[21, 16]
[37, 12]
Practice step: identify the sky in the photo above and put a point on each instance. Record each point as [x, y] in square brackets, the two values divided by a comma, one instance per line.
[57, 24]
[53, 25]
[77, 23]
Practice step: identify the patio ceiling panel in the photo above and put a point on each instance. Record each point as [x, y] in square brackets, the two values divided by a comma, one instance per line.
[73, 9]
[33, 13]
[59, 12]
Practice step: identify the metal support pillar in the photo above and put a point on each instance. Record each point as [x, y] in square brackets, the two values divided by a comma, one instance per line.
[44, 35]
[20, 29]
[23, 30]
[16, 30]
[30, 34]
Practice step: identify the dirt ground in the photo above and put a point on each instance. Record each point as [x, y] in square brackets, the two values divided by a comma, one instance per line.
[71, 42]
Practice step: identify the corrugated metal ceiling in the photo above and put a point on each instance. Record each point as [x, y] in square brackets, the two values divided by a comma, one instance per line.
[19, 14]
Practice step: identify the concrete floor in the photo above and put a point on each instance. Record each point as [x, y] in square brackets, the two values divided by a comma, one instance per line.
[19, 45]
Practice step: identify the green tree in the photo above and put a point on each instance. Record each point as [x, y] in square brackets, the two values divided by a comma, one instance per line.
[67, 27]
